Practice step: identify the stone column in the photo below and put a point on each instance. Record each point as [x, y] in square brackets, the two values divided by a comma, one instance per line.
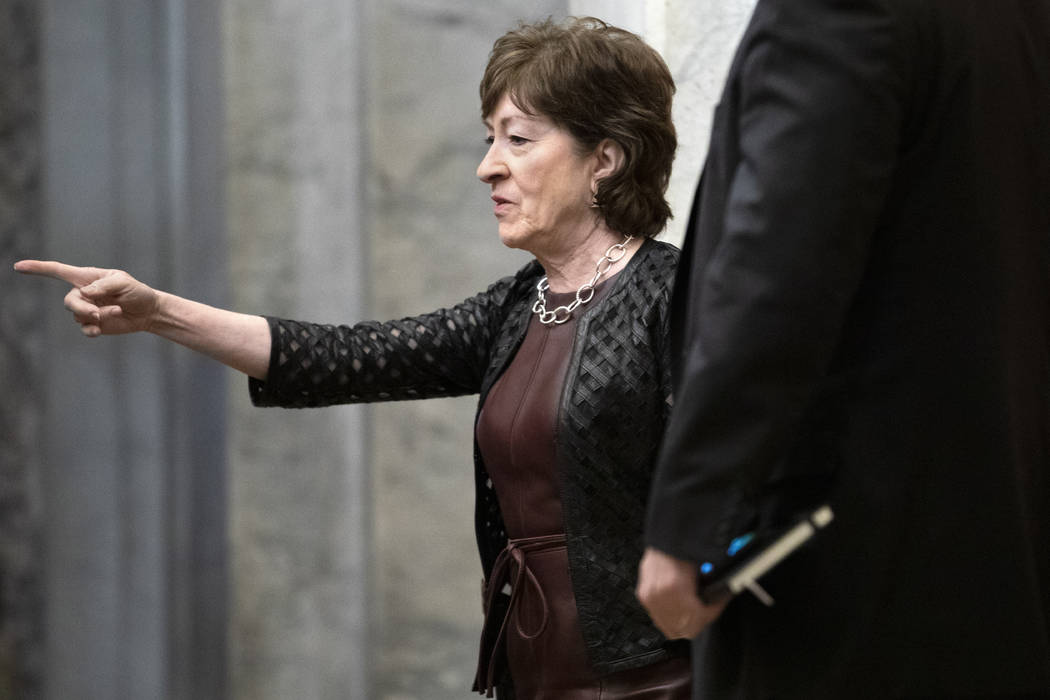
[21, 340]
[433, 241]
[697, 38]
[130, 438]
[300, 518]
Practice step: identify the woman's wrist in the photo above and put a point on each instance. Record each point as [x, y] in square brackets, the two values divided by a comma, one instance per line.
[162, 320]
[240, 341]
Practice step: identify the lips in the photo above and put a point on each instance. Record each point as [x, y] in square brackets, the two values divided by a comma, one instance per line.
[502, 204]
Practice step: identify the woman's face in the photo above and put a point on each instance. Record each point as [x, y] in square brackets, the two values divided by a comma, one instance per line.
[540, 183]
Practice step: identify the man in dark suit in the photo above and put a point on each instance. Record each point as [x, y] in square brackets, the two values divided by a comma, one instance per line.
[863, 318]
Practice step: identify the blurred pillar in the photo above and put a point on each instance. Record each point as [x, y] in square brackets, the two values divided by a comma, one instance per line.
[21, 407]
[132, 432]
[697, 38]
[300, 518]
[433, 242]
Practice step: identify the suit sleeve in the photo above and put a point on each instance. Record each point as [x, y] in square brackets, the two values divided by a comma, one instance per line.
[815, 95]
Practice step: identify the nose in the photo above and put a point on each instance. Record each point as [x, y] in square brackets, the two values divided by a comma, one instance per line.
[491, 168]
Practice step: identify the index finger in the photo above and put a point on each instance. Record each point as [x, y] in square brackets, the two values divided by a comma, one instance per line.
[77, 276]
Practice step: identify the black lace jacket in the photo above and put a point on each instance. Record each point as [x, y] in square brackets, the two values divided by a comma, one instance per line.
[611, 417]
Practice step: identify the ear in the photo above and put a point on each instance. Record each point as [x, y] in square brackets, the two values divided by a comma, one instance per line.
[608, 159]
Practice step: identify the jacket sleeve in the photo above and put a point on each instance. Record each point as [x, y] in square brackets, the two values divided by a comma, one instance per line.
[443, 353]
[813, 109]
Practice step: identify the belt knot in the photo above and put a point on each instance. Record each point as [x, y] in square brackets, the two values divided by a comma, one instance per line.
[511, 569]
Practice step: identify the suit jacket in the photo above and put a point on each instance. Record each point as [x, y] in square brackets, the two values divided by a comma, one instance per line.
[863, 317]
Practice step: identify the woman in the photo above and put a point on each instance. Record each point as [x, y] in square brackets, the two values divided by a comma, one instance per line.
[569, 357]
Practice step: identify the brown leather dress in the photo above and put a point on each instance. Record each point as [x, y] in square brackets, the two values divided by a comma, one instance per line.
[540, 632]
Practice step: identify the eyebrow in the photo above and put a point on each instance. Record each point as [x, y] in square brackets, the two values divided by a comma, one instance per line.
[511, 117]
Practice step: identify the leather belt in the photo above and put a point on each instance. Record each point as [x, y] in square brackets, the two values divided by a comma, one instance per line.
[511, 568]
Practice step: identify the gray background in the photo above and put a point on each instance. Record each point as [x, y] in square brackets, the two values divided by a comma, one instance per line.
[160, 538]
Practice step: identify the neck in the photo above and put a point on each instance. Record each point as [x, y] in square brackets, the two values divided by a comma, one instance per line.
[569, 269]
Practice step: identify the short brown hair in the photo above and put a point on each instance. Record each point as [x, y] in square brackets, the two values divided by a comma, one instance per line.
[597, 82]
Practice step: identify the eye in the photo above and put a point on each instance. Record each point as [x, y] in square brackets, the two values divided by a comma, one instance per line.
[517, 140]
[489, 139]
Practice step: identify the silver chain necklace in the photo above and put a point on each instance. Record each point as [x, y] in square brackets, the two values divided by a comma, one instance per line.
[584, 294]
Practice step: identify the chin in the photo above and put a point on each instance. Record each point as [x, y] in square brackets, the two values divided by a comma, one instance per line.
[513, 238]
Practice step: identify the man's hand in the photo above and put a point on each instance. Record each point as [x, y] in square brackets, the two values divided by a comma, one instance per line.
[667, 589]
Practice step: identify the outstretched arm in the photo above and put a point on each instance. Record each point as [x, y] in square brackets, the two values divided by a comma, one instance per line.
[111, 302]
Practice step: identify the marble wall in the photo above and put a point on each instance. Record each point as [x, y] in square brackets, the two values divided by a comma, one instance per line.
[299, 512]
[697, 39]
[21, 513]
[433, 243]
